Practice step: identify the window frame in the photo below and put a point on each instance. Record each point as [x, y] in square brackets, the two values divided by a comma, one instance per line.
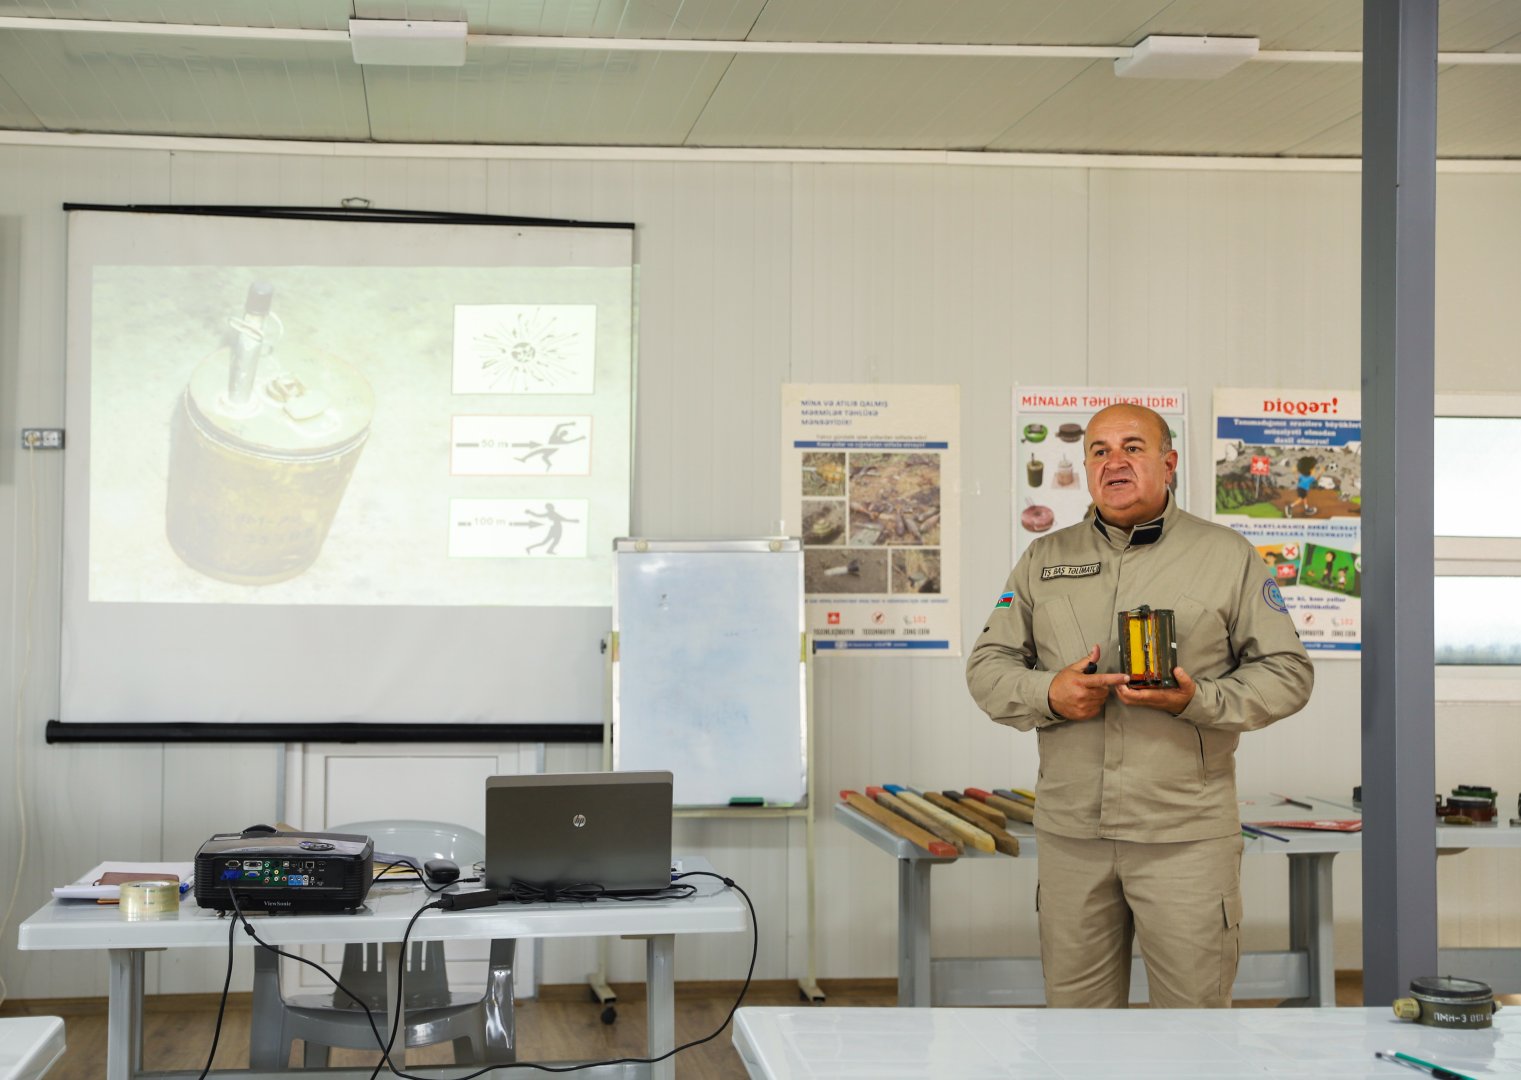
[1477, 556]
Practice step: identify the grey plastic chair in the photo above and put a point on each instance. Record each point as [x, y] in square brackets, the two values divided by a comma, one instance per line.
[481, 1027]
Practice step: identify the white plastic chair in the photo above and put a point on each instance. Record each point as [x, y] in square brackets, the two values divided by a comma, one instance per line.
[480, 1026]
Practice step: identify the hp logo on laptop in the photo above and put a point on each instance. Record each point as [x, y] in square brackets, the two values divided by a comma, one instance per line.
[579, 820]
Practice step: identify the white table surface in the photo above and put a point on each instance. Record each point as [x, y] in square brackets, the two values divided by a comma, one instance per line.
[77, 925]
[74, 924]
[29, 1045]
[1117, 1044]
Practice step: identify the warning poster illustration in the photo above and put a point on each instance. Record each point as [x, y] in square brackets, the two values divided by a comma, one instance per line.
[871, 482]
[1288, 477]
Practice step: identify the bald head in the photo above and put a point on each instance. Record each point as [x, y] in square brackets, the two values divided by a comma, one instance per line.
[1162, 434]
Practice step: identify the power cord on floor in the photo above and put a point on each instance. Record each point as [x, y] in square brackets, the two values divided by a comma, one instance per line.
[386, 1044]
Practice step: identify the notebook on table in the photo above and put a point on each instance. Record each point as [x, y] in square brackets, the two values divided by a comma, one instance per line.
[559, 830]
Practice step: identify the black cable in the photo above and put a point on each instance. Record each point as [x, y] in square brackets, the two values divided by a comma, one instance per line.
[573, 892]
[743, 990]
[418, 875]
[369, 1014]
[523, 892]
[226, 985]
[401, 996]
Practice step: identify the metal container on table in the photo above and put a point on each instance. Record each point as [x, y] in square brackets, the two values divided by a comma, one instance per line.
[262, 446]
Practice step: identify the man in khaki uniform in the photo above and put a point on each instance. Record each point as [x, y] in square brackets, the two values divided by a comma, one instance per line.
[1137, 826]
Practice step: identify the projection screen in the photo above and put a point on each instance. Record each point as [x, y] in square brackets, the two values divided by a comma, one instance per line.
[355, 471]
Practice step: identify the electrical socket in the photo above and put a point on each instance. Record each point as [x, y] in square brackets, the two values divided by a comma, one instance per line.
[42, 438]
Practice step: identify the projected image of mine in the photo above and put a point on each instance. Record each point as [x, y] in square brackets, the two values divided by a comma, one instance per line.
[263, 441]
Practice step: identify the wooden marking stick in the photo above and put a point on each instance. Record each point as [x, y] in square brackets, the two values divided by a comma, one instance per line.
[1015, 796]
[992, 816]
[1002, 840]
[1021, 794]
[1016, 810]
[970, 834]
[903, 827]
[917, 816]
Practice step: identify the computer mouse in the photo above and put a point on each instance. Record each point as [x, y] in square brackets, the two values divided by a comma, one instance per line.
[442, 871]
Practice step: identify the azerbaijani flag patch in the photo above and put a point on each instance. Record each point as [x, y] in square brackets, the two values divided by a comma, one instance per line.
[1005, 600]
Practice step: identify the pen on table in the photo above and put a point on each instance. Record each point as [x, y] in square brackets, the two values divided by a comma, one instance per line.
[1252, 830]
[1291, 802]
[1420, 1066]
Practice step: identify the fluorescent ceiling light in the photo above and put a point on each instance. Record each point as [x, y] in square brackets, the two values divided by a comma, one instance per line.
[408, 42]
[1160, 57]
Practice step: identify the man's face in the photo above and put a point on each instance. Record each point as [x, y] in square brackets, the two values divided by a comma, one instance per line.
[1128, 472]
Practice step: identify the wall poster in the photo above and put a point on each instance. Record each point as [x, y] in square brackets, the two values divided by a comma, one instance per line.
[1288, 477]
[871, 480]
[1050, 485]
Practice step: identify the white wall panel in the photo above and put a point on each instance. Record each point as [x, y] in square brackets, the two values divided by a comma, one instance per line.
[755, 274]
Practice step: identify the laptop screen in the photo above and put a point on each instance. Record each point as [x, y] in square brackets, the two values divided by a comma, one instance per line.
[557, 830]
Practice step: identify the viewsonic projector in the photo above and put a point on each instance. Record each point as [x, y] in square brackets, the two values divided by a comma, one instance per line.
[284, 871]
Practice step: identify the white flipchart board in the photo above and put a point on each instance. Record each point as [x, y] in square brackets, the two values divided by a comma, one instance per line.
[709, 668]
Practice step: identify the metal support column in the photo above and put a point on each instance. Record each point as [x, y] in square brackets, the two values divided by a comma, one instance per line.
[1312, 926]
[914, 932]
[1398, 312]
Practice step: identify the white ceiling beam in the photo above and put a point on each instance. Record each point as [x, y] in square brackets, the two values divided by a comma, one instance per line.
[671, 45]
[186, 144]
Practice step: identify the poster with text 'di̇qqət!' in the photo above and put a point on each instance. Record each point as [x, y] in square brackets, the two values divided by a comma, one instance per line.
[1288, 477]
[871, 480]
[1050, 483]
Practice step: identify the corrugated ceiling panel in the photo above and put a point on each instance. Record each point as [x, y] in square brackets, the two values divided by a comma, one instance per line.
[530, 96]
[1257, 109]
[1280, 24]
[102, 82]
[14, 115]
[1478, 109]
[856, 102]
[1480, 25]
[703, 19]
[297, 14]
[998, 22]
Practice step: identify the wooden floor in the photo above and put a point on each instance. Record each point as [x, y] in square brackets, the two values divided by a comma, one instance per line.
[563, 1023]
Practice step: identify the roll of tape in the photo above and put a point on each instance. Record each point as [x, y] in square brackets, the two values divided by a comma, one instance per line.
[149, 900]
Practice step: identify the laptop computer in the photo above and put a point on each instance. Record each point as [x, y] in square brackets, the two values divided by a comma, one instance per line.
[553, 830]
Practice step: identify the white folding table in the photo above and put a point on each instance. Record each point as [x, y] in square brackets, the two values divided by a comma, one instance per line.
[1106, 1044]
[1304, 974]
[64, 924]
[29, 1045]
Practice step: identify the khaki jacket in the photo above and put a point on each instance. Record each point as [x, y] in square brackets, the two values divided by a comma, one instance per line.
[1138, 773]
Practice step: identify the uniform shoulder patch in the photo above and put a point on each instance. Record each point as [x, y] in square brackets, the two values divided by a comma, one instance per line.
[1005, 600]
[1085, 570]
[1273, 596]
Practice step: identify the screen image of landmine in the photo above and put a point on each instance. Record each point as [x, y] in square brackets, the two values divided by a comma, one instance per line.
[300, 434]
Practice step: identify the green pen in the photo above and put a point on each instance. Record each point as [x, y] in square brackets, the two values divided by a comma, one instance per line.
[1416, 1063]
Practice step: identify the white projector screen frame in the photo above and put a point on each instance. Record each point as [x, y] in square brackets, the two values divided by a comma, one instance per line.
[456, 573]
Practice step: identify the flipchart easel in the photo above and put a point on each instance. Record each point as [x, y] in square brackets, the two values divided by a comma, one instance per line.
[735, 607]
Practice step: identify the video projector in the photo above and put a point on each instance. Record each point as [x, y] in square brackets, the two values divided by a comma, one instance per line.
[284, 871]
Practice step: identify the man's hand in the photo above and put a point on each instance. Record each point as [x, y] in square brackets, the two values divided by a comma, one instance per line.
[1169, 701]
[1076, 695]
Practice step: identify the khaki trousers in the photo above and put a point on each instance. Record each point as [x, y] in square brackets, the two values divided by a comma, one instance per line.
[1183, 902]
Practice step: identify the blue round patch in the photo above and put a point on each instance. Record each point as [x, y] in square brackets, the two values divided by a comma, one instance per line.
[1273, 596]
